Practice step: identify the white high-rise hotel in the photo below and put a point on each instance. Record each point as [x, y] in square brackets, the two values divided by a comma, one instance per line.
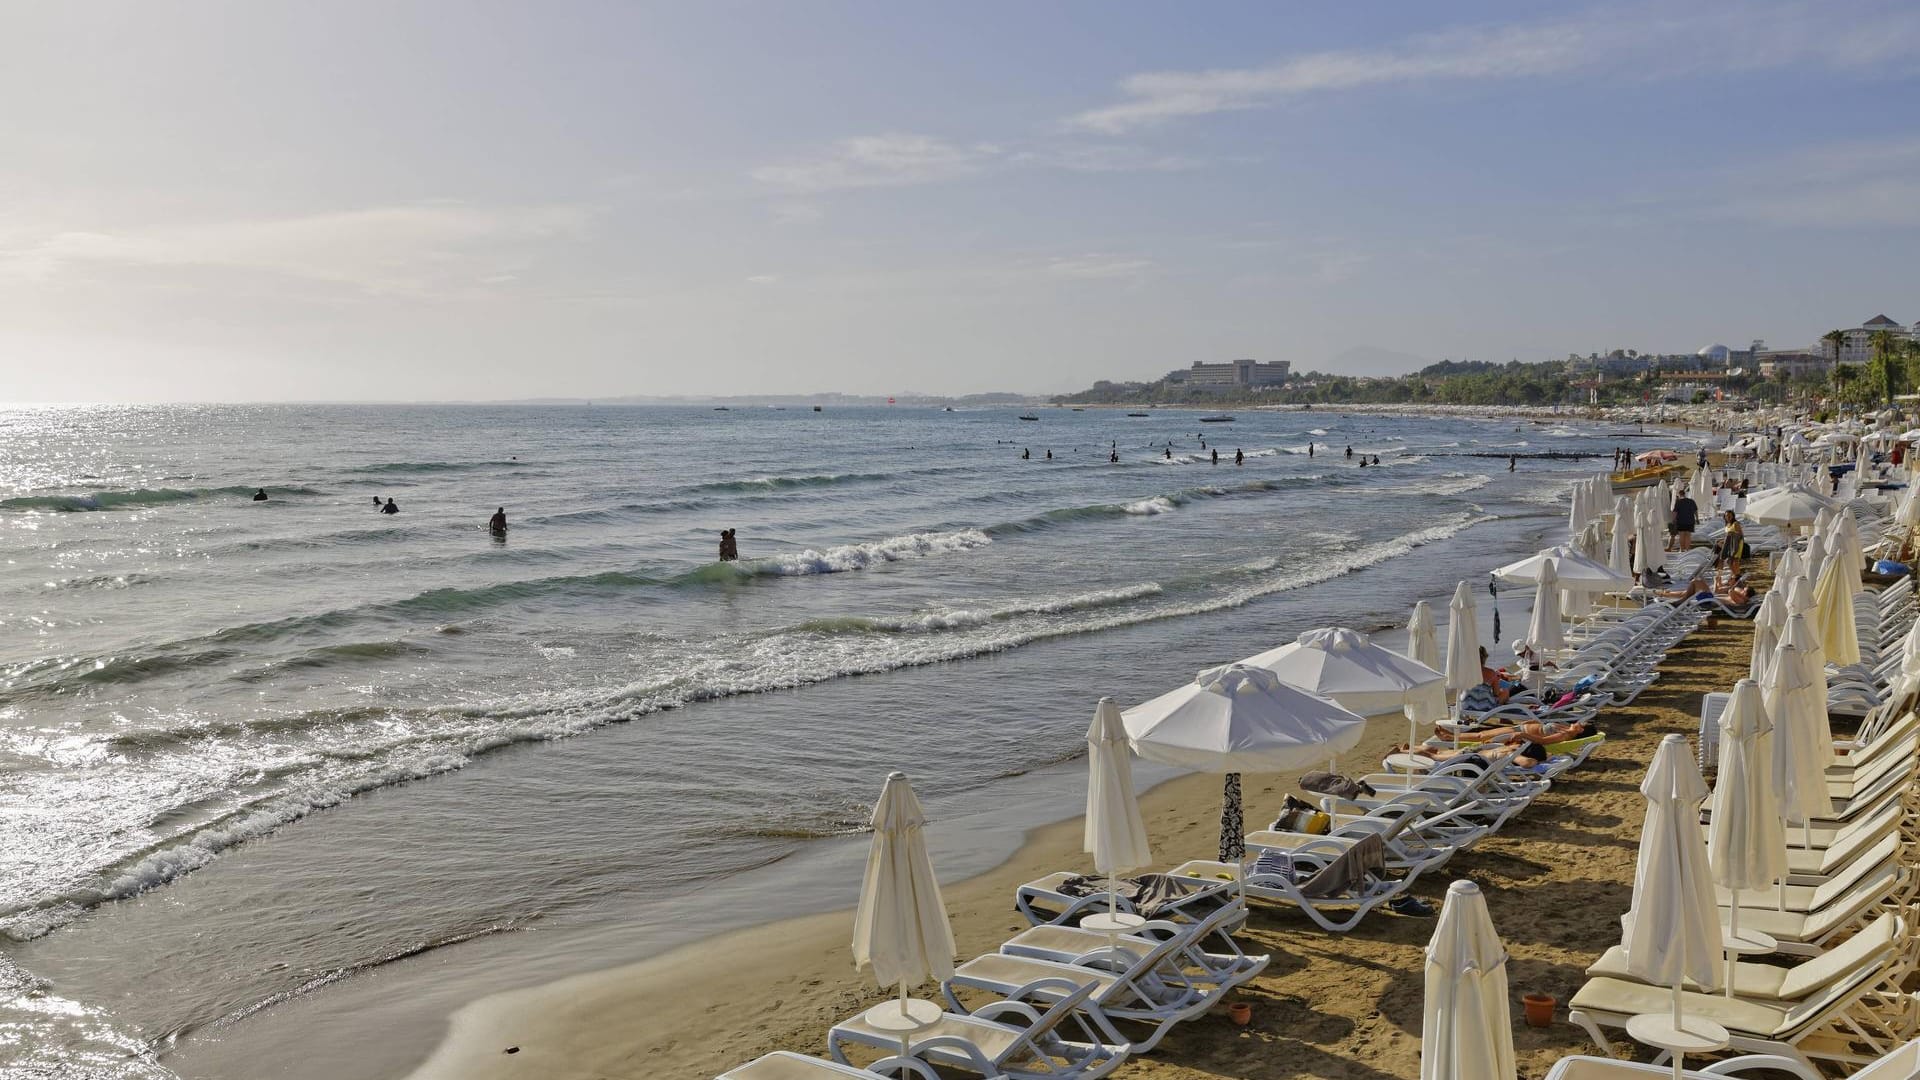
[1856, 346]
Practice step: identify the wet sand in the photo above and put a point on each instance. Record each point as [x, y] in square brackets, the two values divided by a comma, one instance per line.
[1343, 1006]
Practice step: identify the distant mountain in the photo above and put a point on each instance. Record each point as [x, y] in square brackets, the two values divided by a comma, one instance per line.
[1374, 360]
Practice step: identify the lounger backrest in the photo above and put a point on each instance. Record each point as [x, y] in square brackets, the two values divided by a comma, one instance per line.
[1027, 1046]
[1159, 954]
[1833, 965]
[1838, 886]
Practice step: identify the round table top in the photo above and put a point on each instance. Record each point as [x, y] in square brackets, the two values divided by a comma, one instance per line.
[1113, 922]
[918, 1014]
[1696, 1035]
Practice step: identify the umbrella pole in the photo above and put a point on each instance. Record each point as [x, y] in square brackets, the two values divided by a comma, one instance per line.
[1733, 933]
[906, 1045]
[1677, 1057]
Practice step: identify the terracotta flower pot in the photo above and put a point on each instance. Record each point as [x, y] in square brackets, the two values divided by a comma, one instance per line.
[1240, 1013]
[1539, 1008]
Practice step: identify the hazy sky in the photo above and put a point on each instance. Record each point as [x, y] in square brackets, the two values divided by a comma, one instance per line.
[468, 200]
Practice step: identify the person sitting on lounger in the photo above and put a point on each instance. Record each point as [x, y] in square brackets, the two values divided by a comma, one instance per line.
[1492, 679]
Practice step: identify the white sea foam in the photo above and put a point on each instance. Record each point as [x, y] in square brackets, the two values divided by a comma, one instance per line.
[1159, 504]
[845, 557]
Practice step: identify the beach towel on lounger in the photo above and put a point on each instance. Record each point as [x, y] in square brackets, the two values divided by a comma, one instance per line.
[1365, 860]
[1338, 785]
[1150, 894]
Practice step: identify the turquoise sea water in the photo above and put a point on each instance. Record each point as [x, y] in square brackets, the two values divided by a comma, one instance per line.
[195, 686]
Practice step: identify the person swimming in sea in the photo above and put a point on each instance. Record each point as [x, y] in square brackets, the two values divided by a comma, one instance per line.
[497, 524]
[1025, 454]
[390, 508]
[1239, 457]
[1049, 455]
[729, 547]
[1363, 461]
[376, 502]
[260, 496]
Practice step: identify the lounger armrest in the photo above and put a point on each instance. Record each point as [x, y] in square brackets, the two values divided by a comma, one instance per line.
[1028, 1015]
[976, 1061]
[1756, 1062]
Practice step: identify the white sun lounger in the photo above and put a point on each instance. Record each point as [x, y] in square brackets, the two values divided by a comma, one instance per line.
[787, 1065]
[1844, 1006]
[1042, 902]
[1009, 1039]
[1336, 913]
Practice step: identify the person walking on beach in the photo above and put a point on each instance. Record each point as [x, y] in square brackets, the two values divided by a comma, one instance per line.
[729, 547]
[389, 508]
[497, 524]
[1239, 458]
[1686, 513]
[1733, 547]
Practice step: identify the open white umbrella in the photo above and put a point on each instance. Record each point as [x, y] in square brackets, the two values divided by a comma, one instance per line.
[1423, 640]
[1799, 770]
[1463, 641]
[1833, 612]
[1575, 572]
[1347, 667]
[1466, 1031]
[1673, 928]
[1790, 506]
[1545, 632]
[1746, 845]
[1236, 719]
[900, 929]
[1116, 835]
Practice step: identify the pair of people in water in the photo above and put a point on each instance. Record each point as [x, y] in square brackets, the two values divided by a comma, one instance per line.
[1364, 462]
[729, 546]
[387, 508]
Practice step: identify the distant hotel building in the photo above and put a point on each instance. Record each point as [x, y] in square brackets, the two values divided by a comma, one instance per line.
[1233, 373]
[1856, 345]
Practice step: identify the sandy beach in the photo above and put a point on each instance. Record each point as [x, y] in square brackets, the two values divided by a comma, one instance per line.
[1557, 878]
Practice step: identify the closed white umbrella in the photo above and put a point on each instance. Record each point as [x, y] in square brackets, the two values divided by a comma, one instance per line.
[1617, 556]
[1466, 1031]
[1236, 719]
[1576, 511]
[1701, 489]
[1799, 595]
[1423, 638]
[1767, 624]
[1347, 667]
[1746, 844]
[1647, 551]
[1833, 613]
[900, 929]
[1799, 770]
[1851, 552]
[1673, 928]
[1463, 641]
[1799, 631]
[1116, 835]
[1545, 632]
[1816, 558]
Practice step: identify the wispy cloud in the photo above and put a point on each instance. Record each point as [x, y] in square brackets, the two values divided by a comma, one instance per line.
[870, 161]
[393, 249]
[1097, 266]
[1853, 184]
[1626, 42]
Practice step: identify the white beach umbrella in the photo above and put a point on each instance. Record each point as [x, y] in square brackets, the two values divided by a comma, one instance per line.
[1116, 835]
[1463, 641]
[1799, 630]
[1236, 719]
[1466, 1031]
[1673, 928]
[1833, 613]
[1576, 510]
[1799, 771]
[1799, 595]
[1851, 552]
[1574, 572]
[1701, 489]
[1545, 633]
[1768, 622]
[1816, 558]
[1423, 636]
[900, 929]
[1746, 844]
[1790, 506]
[1347, 667]
[1617, 557]
[1648, 553]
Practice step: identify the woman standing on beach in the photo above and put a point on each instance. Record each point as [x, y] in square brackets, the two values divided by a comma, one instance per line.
[1733, 547]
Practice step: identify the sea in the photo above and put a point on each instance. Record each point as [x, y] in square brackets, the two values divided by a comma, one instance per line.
[285, 781]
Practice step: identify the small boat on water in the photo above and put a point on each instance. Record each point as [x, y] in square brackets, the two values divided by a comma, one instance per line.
[816, 408]
[1216, 419]
[721, 408]
[1078, 409]
[1136, 414]
[1028, 416]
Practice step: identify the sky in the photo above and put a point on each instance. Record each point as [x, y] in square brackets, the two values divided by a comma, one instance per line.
[473, 201]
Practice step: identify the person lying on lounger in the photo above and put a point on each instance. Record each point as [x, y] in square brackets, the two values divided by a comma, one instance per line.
[1534, 749]
[1546, 732]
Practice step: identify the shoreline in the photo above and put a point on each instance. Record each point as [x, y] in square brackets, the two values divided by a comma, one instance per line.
[1336, 1006]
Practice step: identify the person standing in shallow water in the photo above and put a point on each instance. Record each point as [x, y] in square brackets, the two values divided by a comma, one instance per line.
[1216, 455]
[497, 524]
[1239, 457]
[390, 508]
[729, 547]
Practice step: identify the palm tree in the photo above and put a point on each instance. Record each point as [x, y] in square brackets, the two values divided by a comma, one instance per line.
[1880, 381]
[1835, 338]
